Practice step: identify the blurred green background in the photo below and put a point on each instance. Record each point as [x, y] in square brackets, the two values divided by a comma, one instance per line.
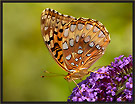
[25, 55]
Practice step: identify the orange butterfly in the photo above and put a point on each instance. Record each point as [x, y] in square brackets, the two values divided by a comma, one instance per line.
[75, 44]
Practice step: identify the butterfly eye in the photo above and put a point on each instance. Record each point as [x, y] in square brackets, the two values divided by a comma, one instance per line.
[68, 78]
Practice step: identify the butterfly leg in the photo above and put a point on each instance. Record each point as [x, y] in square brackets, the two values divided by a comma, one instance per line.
[45, 71]
[77, 86]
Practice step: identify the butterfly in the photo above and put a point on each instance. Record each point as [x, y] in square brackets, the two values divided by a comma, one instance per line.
[75, 43]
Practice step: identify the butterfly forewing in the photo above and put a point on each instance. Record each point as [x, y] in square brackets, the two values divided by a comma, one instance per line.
[52, 24]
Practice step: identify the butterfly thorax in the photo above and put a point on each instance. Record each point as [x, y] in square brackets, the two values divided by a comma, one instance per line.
[76, 75]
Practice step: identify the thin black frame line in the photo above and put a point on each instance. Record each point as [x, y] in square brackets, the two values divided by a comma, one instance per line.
[1, 52]
[69, 1]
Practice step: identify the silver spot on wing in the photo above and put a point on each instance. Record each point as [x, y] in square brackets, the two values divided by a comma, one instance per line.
[71, 42]
[80, 26]
[68, 57]
[65, 46]
[80, 51]
[72, 27]
[91, 44]
[66, 32]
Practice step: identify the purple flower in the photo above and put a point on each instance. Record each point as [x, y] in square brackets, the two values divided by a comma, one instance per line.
[116, 85]
[129, 84]
[119, 99]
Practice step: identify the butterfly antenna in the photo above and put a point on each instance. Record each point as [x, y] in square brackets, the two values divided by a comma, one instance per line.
[51, 76]
[77, 86]
[56, 74]
[45, 71]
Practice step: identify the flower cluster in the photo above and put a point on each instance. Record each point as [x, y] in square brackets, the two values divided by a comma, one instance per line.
[114, 84]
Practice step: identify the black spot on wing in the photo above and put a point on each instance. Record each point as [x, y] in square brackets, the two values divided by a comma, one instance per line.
[56, 55]
[60, 39]
[51, 38]
[61, 30]
[56, 46]
[47, 42]
[60, 57]
[61, 62]
[56, 33]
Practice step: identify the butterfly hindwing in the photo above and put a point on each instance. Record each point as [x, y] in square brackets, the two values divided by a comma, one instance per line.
[84, 41]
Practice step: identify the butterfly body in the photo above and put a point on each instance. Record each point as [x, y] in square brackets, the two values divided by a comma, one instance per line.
[75, 44]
